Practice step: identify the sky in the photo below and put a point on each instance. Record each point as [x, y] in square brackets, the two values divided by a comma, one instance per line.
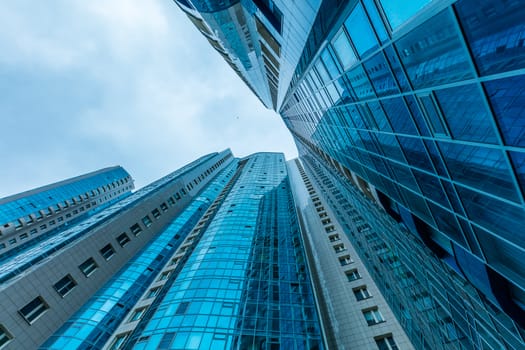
[90, 84]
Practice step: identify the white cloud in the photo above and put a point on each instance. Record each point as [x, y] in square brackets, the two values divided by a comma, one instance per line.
[122, 82]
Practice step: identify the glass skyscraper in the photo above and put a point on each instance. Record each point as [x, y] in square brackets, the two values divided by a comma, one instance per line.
[419, 105]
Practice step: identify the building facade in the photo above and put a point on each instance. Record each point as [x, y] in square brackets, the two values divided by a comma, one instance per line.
[420, 105]
[208, 257]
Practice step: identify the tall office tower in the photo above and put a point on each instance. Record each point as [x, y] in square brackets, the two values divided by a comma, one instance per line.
[29, 217]
[208, 257]
[420, 103]
[355, 314]
[248, 35]
[42, 287]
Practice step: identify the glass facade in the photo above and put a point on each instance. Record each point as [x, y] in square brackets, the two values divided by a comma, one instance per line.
[424, 101]
[428, 110]
[229, 272]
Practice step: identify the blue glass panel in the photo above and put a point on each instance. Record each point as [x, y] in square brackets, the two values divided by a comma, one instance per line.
[518, 160]
[329, 64]
[344, 50]
[433, 114]
[391, 147]
[415, 152]
[360, 31]
[453, 197]
[360, 83]
[479, 167]
[418, 116]
[398, 14]
[507, 97]
[398, 70]
[376, 20]
[323, 73]
[399, 116]
[431, 187]
[434, 54]
[447, 223]
[379, 116]
[465, 113]
[495, 31]
[500, 217]
[380, 75]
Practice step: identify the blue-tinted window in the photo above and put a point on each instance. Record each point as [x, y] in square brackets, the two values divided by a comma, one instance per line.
[379, 116]
[465, 113]
[431, 187]
[377, 22]
[447, 223]
[398, 70]
[380, 75]
[507, 97]
[329, 64]
[433, 115]
[518, 160]
[434, 54]
[399, 116]
[418, 116]
[323, 73]
[360, 31]
[495, 31]
[398, 13]
[391, 147]
[436, 158]
[500, 217]
[415, 152]
[479, 167]
[360, 83]
[344, 50]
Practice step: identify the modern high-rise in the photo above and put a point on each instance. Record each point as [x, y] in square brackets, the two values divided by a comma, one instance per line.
[224, 253]
[419, 106]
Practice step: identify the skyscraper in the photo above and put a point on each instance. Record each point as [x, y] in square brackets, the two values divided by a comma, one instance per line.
[419, 105]
[208, 257]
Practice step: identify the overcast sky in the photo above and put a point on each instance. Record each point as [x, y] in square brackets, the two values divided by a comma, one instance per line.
[90, 84]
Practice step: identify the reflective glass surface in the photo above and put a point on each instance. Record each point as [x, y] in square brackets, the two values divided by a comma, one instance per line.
[344, 51]
[434, 54]
[479, 167]
[507, 97]
[397, 14]
[360, 31]
[496, 33]
[466, 114]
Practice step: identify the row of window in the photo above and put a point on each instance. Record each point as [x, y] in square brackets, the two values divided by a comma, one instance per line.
[371, 315]
[38, 306]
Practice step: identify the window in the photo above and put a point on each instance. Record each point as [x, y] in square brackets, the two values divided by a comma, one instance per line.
[345, 260]
[65, 285]
[146, 221]
[137, 315]
[339, 248]
[155, 213]
[33, 309]
[118, 341]
[135, 229]
[88, 267]
[107, 252]
[183, 307]
[386, 342]
[164, 275]
[123, 239]
[163, 207]
[153, 292]
[361, 293]
[5, 337]
[334, 238]
[352, 275]
[373, 316]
